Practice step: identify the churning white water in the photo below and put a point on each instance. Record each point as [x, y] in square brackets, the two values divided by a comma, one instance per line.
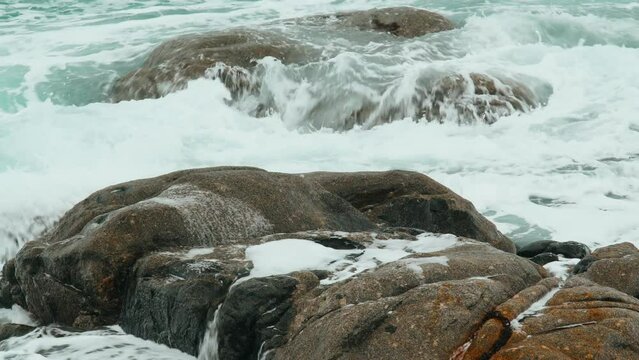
[566, 171]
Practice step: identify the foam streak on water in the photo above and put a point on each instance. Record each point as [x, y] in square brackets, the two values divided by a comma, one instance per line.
[565, 171]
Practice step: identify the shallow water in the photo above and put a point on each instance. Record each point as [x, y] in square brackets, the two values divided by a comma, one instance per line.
[566, 171]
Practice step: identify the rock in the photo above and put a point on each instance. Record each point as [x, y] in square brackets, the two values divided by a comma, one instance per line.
[474, 98]
[134, 253]
[498, 329]
[581, 322]
[544, 258]
[11, 330]
[569, 249]
[405, 22]
[255, 316]
[10, 292]
[615, 251]
[368, 316]
[615, 266]
[173, 294]
[534, 248]
[459, 98]
[406, 199]
[80, 269]
[171, 65]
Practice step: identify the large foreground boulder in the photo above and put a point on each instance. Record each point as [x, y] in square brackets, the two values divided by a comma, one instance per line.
[126, 253]
[77, 273]
[239, 263]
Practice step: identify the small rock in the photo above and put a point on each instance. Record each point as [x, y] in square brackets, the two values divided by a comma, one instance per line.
[569, 249]
[12, 330]
[544, 258]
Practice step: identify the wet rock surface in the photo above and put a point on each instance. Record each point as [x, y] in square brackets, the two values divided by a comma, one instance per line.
[171, 65]
[399, 199]
[232, 55]
[171, 294]
[544, 258]
[568, 249]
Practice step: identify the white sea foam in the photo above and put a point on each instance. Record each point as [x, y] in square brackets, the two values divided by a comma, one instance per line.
[16, 315]
[289, 255]
[110, 343]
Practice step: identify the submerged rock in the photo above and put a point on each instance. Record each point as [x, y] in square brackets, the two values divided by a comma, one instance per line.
[477, 97]
[171, 65]
[460, 98]
[232, 54]
[406, 21]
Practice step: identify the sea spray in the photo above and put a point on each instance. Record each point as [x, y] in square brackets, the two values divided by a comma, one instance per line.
[210, 342]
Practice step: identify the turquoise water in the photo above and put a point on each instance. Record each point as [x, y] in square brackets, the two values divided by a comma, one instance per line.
[60, 139]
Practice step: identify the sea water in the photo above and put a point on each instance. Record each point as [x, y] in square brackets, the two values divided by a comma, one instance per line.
[568, 170]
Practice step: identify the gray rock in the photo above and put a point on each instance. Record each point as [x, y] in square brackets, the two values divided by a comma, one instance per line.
[172, 294]
[569, 249]
[580, 322]
[255, 317]
[12, 330]
[544, 258]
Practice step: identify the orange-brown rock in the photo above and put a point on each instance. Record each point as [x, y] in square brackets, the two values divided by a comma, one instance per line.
[425, 312]
[496, 331]
[582, 322]
[616, 266]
